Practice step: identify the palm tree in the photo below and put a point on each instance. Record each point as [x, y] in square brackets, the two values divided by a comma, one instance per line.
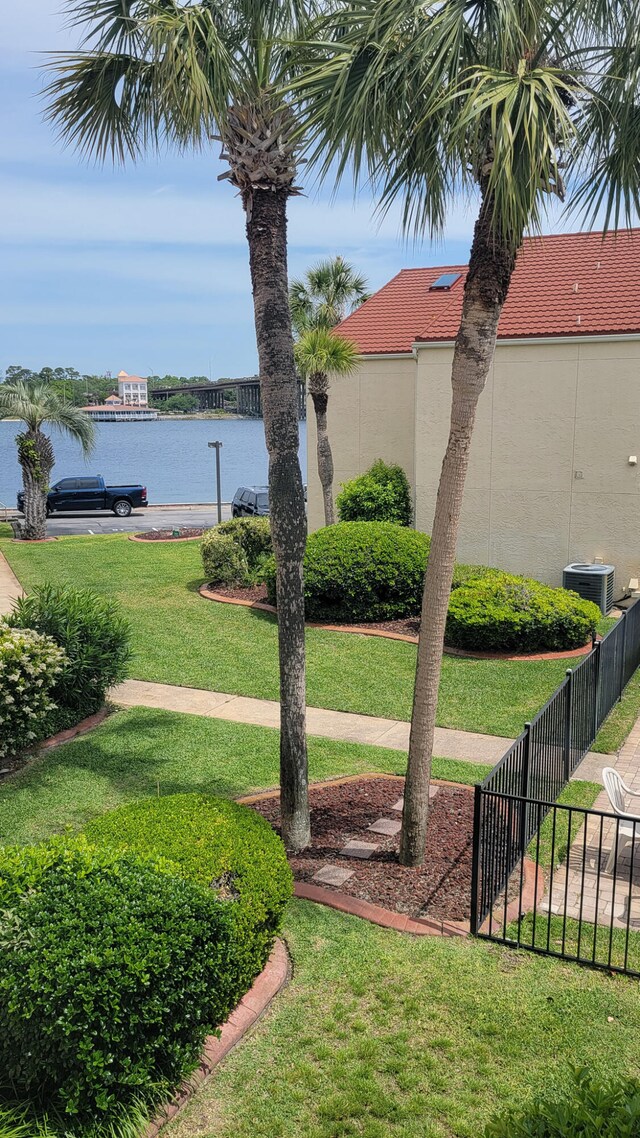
[321, 354]
[152, 72]
[327, 293]
[37, 403]
[319, 301]
[500, 99]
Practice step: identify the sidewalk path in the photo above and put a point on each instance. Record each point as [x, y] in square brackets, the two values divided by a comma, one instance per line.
[10, 587]
[342, 725]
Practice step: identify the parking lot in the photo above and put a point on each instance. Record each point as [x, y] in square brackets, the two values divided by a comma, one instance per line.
[153, 517]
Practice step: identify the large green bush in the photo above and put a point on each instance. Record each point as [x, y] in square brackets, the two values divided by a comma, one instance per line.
[234, 552]
[362, 571]
[381, 494]
[113, 969]
[591, 1109]
[505, 613]
[96, 639]
[30, 666]
[228, 848]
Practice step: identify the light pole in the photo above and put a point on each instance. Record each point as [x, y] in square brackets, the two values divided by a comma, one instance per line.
[217, 446]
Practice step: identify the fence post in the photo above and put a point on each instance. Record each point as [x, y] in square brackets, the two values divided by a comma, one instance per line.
[596, 690]
[567, 725]
[475, 859]
[524, 786]
[623, 650]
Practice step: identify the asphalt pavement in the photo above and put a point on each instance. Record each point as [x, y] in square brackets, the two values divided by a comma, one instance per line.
[153, 517]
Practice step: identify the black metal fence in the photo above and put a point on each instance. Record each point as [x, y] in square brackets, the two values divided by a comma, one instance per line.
[516, 813]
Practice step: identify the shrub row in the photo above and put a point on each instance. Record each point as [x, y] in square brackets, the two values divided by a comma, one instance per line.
[234, 552]
[374, 571]
[60, 650]
[123, 948]
[591, 1108]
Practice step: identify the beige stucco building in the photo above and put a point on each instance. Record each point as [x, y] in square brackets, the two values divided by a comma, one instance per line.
[553, 477]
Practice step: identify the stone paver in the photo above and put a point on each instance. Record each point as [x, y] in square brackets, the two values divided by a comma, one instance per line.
[386, 826]
[582, 884]
[341, 725]
[355, 848]
[10, 587]
[332, 875]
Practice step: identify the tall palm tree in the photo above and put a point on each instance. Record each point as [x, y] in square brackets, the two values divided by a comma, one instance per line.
[36, 403]
[319, 301]
[501, 100]
[152, 72]
[321, 354]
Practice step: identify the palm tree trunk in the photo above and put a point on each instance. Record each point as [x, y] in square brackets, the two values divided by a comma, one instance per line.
[325, 457]
[491, 265]
[35, 455]
[267, 236]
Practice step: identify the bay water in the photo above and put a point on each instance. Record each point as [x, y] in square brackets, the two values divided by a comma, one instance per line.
[168, 456]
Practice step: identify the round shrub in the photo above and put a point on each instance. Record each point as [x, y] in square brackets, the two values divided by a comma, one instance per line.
[223, 559]
[30, 665]
[253, 535]
[221, 845]
[362, 571]
[590, 1109]
[381, 494]
[500, 612]
[96, 639]
[113, 970]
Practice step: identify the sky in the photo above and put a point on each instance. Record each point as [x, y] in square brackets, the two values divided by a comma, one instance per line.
[145, 268]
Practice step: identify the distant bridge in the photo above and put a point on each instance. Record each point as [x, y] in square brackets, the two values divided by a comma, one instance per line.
[239, 395]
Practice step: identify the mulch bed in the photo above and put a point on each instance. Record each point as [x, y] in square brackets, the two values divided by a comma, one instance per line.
[168, 534]
[257, 594]
[441, 887]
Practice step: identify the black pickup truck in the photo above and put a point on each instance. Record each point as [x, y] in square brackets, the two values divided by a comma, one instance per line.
[87, 494]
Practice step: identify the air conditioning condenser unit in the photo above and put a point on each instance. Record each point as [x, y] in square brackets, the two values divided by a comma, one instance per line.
[592, 583]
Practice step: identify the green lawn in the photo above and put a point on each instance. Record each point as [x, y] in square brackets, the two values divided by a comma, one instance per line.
[381, 1035]
[181, 638]
[588, 941]
[140, 752]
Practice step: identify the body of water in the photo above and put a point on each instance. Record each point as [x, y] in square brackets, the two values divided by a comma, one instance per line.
[170, 457]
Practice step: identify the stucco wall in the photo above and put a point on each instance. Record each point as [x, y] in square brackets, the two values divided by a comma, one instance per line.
[549, 413]
[371, 415]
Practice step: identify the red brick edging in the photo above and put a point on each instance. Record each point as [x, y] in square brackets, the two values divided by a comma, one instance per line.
[162, 540]
[271, 980]
[70, 733]
[387, 918]
[358, 630]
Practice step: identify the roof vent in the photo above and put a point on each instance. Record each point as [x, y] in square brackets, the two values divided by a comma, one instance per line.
[444, 282]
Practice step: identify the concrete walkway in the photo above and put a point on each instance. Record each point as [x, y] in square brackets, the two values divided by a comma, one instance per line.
[342, 725]
[10, 587]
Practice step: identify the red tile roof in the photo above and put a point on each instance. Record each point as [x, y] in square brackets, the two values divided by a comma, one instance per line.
[569, 284]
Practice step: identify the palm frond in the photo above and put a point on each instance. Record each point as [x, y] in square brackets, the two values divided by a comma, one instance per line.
[37, 403]
[321, 351]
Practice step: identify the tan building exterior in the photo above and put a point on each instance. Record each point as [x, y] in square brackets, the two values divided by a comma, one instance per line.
[553, 477]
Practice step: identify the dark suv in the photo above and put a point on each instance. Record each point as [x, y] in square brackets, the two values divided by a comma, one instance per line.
[250, 501]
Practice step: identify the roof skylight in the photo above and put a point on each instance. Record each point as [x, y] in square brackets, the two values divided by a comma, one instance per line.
[445, 281]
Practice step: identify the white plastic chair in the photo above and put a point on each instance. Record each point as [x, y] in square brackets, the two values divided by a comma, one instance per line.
[628, 831]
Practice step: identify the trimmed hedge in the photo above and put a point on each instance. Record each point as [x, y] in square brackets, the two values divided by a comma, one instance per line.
[226, 847]
[381, 494]
[30, 665]
[591, 1109]
[113, 970]
[95, 637]
[501, 612]
[361, 571]
[234, 552]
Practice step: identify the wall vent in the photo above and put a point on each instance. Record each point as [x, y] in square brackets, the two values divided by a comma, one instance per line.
[592, 583]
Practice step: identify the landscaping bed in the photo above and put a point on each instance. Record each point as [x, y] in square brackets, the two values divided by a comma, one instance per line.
[186, 533]
[342, 812]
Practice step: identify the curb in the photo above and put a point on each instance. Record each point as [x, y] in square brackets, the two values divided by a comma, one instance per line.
[274, 976]
[357, 630]
[377, 915]
[340, 779]
[70, 732]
